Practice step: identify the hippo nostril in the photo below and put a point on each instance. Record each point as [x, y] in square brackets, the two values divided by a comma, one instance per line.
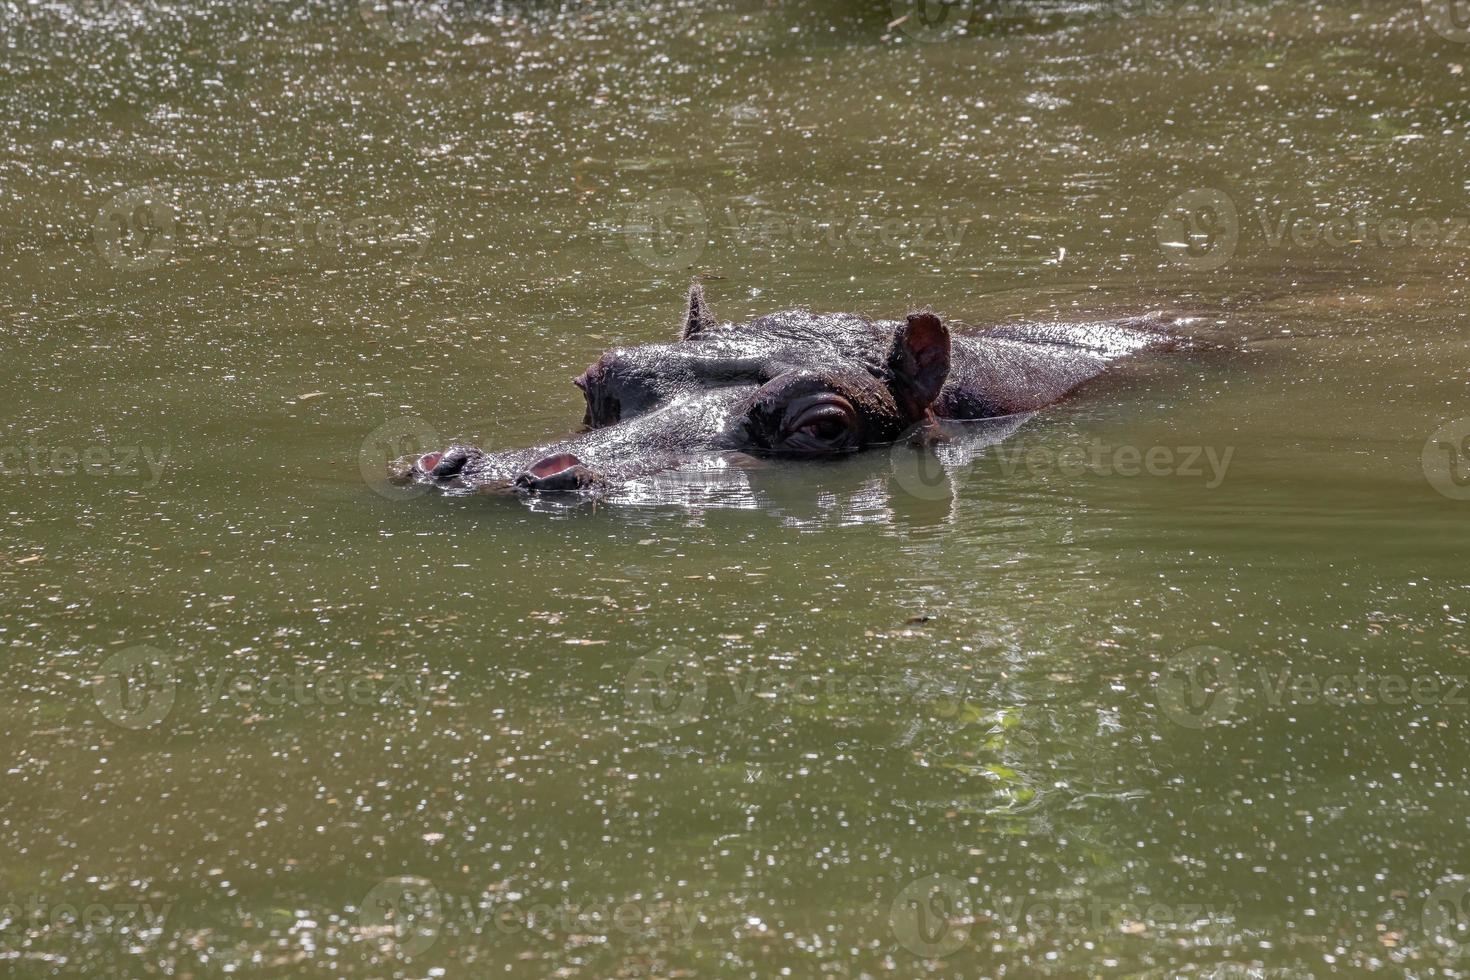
[443, 465]
[558, 473]
[552, 465]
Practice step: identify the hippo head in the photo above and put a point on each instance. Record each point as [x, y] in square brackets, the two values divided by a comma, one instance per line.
[788, 385]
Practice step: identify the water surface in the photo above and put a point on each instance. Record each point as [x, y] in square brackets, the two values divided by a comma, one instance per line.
[267, 715]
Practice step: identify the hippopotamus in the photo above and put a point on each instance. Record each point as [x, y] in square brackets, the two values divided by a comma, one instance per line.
[794, 385]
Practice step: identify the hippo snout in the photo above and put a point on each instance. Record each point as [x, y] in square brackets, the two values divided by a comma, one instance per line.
[464, 466]
[557, 473]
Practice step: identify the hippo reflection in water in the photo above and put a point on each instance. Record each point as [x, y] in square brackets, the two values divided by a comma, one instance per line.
[793, 385]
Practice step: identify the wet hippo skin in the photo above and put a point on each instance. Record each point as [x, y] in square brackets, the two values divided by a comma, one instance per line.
[798, 385]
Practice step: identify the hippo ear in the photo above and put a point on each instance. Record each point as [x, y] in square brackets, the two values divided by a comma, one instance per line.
[697, 317]
[918, 363]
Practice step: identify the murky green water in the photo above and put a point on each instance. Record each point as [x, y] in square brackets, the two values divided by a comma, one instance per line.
[1167, 682]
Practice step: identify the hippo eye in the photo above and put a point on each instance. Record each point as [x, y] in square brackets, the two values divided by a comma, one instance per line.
[825, 423]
